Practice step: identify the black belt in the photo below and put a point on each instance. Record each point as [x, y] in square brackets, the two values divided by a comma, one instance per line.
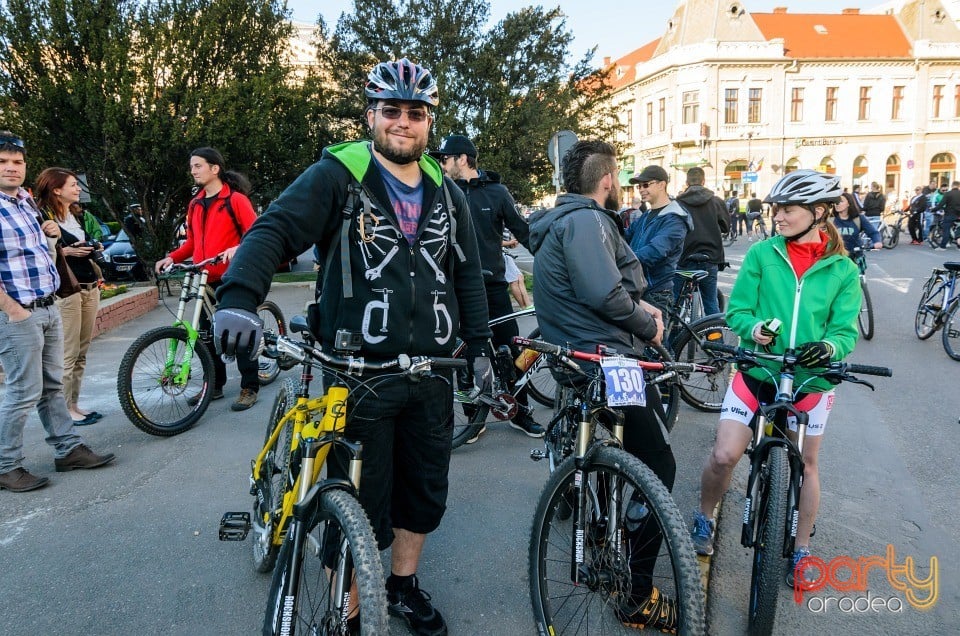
[89, 285]
[46, 301]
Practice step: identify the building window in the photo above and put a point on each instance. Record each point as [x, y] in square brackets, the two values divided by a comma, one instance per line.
[863, 113]
[897, 102]
[649, 118]
[730, 106]
[663, 114]
[753, 109]
[691, 107]
[630, 123]
[796, 104]
[937, 100]
[830, 113]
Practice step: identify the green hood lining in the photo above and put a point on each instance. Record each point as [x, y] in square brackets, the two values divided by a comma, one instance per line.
[355, 157]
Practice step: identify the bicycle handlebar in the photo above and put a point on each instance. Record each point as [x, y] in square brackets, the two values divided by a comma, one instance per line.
[191, 267]
[276, 346]
[739, 354]
[565, 354]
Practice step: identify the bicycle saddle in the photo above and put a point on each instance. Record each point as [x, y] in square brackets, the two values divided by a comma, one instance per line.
[952, 266]
[692, 274]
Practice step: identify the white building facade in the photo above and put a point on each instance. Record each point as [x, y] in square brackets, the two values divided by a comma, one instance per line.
[749, 97]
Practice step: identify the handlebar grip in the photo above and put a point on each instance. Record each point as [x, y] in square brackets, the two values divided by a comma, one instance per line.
[720, 347]
[539, 345]
[869, 370]
[448, 363]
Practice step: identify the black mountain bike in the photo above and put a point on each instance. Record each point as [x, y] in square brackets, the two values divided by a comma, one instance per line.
[608, 547]
[772, 504]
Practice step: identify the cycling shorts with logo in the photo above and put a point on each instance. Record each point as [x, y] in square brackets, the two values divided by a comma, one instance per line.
[745, 394]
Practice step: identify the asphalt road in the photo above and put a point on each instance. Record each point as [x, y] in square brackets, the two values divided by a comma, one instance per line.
[133, 549]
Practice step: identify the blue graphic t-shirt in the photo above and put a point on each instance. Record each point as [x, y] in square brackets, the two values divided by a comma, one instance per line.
[407, 202]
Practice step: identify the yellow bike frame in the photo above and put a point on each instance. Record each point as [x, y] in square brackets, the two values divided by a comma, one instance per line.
[333, 406]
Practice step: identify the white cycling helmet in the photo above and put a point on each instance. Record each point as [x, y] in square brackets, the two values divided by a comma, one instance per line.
[805, 187]
[402, 80]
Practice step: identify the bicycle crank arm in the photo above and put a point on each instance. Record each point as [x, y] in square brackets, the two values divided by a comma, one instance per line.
[234, 526]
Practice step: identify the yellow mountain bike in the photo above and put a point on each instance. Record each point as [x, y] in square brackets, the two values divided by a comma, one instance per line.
[309, 529]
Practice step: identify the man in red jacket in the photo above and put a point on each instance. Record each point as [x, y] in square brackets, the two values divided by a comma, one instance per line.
[217, 218]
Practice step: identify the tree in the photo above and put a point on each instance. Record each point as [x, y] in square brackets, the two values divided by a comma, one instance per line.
[124, 89]
[509, 88]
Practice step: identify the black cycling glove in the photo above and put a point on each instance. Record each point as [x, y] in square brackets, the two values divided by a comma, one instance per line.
[482, 375]
[814, 354]
[237, 332]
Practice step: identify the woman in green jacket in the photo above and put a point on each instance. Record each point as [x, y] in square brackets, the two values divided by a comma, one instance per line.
[804, 279]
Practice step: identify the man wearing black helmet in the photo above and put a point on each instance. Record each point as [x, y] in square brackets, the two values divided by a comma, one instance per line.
[803, 279]
[407, 253]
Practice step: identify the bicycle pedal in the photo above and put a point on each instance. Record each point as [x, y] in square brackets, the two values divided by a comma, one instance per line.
[536, 455]
[234, 526]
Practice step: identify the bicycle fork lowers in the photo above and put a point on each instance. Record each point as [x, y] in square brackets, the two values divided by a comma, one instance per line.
[764, 440]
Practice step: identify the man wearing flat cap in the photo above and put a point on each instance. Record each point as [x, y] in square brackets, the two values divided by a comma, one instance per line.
[657, 236]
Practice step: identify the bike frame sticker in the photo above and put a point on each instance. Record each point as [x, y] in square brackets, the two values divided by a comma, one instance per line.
[625, 385]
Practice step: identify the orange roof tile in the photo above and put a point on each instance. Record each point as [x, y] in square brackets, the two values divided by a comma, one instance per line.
[841, 36]
[629, 63]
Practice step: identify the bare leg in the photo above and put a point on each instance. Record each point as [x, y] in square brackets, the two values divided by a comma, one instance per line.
[732, 439]
[405, 553]
[810, 493]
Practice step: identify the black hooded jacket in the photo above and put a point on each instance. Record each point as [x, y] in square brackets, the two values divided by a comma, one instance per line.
[710, 222]
[588, 278]
[492, 208]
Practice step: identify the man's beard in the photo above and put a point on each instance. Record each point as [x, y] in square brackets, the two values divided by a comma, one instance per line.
[399, 157]
[613, 200]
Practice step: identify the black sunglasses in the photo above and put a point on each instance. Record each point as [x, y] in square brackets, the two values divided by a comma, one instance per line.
[12, 141]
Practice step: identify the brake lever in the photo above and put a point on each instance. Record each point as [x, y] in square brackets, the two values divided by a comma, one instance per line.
[855, 380]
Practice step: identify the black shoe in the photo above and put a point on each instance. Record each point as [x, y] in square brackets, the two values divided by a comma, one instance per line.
[654, 610]
[413, 605]
[522, 421]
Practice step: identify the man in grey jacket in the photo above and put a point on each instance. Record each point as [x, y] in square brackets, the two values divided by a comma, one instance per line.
[589, 284]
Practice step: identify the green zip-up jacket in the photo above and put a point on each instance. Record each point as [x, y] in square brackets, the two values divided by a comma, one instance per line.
[822, 305]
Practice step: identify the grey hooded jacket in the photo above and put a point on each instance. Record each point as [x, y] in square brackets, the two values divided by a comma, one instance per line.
[588, 280]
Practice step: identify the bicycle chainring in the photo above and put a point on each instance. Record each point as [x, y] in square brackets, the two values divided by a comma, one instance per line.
[506, 407]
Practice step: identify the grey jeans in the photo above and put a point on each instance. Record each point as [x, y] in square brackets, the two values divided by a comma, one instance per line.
[31, 352]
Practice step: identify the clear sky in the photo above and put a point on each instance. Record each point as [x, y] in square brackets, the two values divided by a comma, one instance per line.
[616, 27]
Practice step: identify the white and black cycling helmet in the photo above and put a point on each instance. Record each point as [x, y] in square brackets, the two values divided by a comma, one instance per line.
[805, 187]
[402, 80]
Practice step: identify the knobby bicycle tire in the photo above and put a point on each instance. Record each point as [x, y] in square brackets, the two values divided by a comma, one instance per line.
[562, 608]
[268, 368]
[339, 530]
[767, 572]
[541, 386]
[865, 317]
[951, 331]
[890, 237]
[669, 389]
[704, 391]
[146, 387]
[274, 477]
[926, 321]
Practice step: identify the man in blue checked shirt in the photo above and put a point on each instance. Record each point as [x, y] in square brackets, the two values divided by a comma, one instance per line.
[31, 334]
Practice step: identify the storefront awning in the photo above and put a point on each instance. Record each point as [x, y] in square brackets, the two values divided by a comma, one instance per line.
[624, 178]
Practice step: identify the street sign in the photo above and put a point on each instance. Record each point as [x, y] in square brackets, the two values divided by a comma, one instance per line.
[749, 177]
[557, 147]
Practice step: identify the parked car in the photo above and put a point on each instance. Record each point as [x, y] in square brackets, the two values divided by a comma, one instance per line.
[121, 261]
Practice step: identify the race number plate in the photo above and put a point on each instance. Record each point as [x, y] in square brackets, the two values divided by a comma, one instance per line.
[624, 379]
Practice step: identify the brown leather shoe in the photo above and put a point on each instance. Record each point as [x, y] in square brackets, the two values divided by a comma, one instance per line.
[19, 480]
[82, 457]
[247, 398]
